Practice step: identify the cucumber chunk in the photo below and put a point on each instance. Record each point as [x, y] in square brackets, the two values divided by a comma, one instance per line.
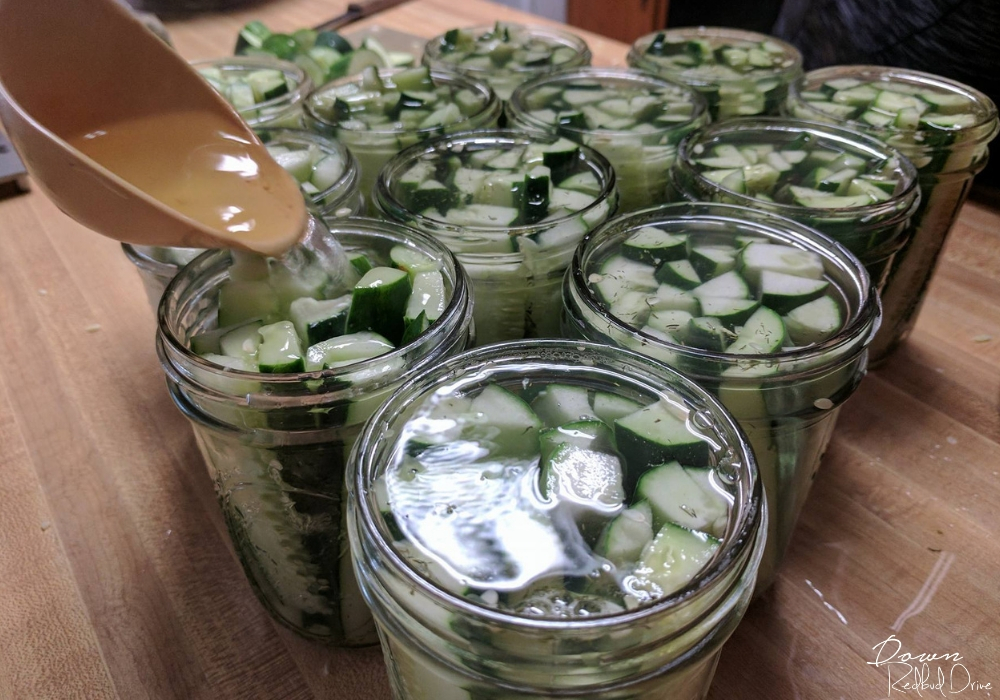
[683, 496]
[378, 303]
[814, 322]
[280, 350]
[782, 292]
[559, 404]
[625, 537]
[674, 557]
[317, 320]
[655, 434]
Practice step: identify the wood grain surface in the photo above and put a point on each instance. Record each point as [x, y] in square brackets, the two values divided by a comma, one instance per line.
[117, 579]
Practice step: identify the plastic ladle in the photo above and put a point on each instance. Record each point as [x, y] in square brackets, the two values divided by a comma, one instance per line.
[170, 162]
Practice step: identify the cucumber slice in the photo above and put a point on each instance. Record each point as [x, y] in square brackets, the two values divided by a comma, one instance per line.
[670, 298]
[427, 297]
[710, 261]
[412, 260]
[318, 320]
[280, 350]
[729, 312]
[669, 321]
[625, 537]
[678, 273]
[611, 407]
[242, 341]
[655, 434]
[510, 423]
[653, 246]
[758, 257]
[782, 292]
[631, 308]
[378, 303]
[764, 333]
[587, 482]
[706, 333]
[683, 496]
[674, 558]
[730, 285]
[814, 322]
[592, 435]
[559, 404]
[619, 275]
[346, 349]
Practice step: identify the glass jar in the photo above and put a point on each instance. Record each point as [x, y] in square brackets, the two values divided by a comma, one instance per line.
[787, 401]
[276, 444]
[722, 64]
[373, 147]
[444, 642]
[638, 131]
[158, 265]
[873, 230]
[947, 159]
[491, 57]
[516, 269]
[284, 110]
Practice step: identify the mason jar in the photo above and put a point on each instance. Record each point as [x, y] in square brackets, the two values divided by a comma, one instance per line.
[633, 119]
[282, 110]
[276, 445]
[326, 172]
[740, 73]
[784, 389]
[942, 126]
[504, 55]
[516, 263]
[375, 141]
[853, 188]
[484, 586]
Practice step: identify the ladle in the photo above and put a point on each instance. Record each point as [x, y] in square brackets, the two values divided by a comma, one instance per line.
[174, 164]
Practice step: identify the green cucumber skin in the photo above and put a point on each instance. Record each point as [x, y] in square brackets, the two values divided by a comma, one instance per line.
[290, 543]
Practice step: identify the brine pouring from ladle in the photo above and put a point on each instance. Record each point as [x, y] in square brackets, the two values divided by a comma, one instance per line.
[126, 138]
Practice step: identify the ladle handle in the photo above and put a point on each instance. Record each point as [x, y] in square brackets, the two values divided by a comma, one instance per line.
[356, 11]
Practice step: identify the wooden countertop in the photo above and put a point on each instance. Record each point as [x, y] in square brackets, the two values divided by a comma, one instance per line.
[117, 581]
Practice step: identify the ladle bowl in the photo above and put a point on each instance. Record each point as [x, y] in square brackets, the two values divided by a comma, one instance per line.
[71, 67]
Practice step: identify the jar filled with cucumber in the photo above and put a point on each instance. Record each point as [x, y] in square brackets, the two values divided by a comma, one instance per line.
[512, 206]
[740, 73]
[942, 126]
[264, 90]
[770, 316]
[554, 518]
[323, 55]
[634, 120]
[277, 363]
[853, 188]
[327, 174]
[505, 55]
[379, 113]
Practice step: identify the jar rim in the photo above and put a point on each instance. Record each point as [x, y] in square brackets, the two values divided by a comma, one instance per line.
[490, 103]
[617, 75]
[386, 200]
[855, 140]
[984, 106]
[637, 52]
[493, 359]
[864, 320]
[432, 49]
